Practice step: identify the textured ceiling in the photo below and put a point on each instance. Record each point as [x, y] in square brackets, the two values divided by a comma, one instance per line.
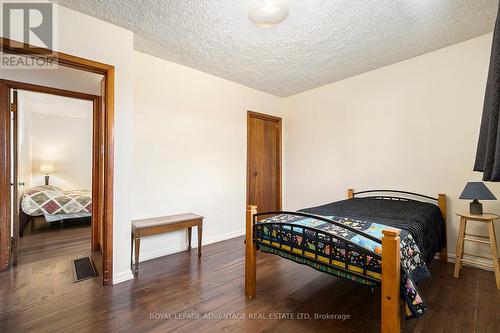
[321, 41]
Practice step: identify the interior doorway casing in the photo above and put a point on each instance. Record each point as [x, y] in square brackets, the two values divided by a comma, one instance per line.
[104, 207]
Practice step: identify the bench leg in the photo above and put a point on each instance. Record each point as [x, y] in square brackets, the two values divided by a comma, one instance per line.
[200, 229]
[132, 252]
[137, 247]
[190, 230]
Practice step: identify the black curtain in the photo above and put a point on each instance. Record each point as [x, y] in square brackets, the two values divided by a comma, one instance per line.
[488, 147]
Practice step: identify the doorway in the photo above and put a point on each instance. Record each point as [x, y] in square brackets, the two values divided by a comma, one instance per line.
[54, 163]
[52, 167]
[103, 207]
[264, 161]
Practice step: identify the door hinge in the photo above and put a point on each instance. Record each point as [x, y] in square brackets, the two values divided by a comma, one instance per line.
[12, 242]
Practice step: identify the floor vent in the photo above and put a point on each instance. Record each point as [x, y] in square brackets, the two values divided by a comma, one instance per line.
[83, 269]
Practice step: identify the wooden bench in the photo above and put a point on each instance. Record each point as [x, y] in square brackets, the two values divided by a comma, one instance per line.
[160, 225]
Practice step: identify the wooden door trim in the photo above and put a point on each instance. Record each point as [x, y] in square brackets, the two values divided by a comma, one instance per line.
[108, 144]
[278, 121]
[253, 114]
[49, 90]
[4, 176]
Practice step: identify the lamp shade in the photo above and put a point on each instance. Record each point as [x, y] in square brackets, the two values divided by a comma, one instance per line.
[47, 168]
[477, 190]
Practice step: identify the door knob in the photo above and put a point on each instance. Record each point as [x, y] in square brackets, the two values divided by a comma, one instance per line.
[21, 183]
[255, 173]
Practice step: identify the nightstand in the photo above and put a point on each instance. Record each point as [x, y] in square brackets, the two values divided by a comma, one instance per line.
[490, 240]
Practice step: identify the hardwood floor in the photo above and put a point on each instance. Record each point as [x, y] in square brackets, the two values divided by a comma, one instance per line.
[171, 292]
[44, 269]
[43, 241]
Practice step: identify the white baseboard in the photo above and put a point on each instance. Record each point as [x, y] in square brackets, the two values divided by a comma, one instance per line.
[127, 275]
[123, 276]
[182, 247]
[451, 258]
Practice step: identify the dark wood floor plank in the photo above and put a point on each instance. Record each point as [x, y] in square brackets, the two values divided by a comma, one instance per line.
[39, 295]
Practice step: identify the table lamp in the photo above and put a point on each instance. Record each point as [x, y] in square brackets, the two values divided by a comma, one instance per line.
[476, 191]
[47, 168]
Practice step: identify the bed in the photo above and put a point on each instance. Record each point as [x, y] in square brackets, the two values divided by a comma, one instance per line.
[54, 204]
[346, 239]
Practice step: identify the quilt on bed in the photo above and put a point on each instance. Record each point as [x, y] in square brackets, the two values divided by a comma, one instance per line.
[422, 219]
[51, 200]
[413, 267]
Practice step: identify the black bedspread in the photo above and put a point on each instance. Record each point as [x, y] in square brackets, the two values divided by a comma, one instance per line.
[423, 220]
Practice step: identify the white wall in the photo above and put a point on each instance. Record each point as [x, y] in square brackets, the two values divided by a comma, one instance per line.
[190, 149]
[66, 142]
[90, 38]
[412, 125]
[58, 130]
[94, 39]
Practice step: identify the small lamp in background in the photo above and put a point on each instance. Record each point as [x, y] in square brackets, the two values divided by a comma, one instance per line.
[476, 191]
[47, 168]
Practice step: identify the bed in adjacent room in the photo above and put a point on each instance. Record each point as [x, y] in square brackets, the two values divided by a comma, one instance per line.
[346, 239]
[54, 204]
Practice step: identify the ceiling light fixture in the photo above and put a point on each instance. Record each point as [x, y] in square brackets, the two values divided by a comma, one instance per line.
[267, 13]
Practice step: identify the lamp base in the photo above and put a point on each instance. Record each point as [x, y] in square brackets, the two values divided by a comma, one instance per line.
[476, 208]
[47, 180]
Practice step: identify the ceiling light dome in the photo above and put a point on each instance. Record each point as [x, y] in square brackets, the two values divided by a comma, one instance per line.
[267, 13]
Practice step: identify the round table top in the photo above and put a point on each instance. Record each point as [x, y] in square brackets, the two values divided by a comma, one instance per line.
[483, 217]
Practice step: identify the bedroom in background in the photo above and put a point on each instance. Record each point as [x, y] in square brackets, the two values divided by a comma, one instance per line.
[54, 163]
[51, 174]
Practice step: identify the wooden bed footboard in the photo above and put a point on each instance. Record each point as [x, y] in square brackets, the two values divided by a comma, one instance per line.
[390, 314]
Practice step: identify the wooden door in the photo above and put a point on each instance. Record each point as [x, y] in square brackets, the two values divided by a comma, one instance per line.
[264, 162]
[15, 177]
[98, 171]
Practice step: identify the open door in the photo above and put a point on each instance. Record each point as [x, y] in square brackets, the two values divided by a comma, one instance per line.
[100, 196]
[15, 183]
[98, 172]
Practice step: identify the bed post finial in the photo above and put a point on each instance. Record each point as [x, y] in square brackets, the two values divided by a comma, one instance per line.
[443, 255]
[250, 254]
[350, 193]
[391, 281]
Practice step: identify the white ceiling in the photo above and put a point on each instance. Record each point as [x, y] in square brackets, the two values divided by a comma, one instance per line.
[321, 41]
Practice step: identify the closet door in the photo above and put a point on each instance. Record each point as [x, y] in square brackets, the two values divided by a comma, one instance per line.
[264, 162]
